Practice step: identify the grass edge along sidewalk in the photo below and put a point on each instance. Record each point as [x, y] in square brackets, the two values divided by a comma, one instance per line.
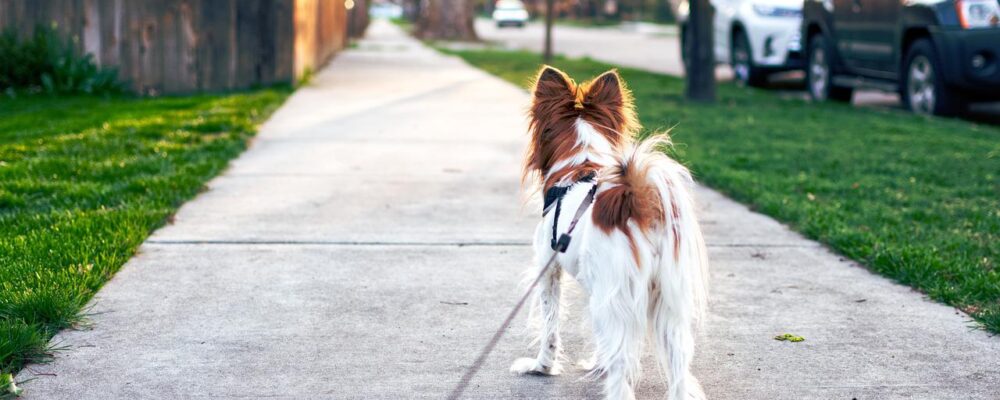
[84, 180]
[913, 198]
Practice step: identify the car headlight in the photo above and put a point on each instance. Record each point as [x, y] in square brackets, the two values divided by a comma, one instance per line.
[978, 13]
[766, 10]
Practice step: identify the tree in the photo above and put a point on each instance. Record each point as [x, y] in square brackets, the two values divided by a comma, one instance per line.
[549, 16]
[357, 18]
[446, 20]
[700, 68]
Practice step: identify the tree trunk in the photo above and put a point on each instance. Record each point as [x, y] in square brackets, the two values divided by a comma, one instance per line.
[446, 20]
[700, 68]
[549, 16]
[357, 19]
[411, 10]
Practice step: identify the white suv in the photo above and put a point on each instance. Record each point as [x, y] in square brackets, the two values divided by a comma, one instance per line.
[756, 37]
[510, 12]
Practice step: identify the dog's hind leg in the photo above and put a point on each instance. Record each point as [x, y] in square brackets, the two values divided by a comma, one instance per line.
[673, 334]
[618, 313]
[549, 295]
[679, 343]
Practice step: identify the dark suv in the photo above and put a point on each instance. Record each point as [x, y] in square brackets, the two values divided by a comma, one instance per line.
[938, 54]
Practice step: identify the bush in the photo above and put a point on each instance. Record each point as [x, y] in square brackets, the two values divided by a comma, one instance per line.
[46, 63]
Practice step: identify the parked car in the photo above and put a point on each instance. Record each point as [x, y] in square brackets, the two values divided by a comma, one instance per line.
[386, 10]
[756, 37]
[510, 13]
[937, 54]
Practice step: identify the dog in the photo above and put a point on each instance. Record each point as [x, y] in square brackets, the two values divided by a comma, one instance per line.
[637, 251]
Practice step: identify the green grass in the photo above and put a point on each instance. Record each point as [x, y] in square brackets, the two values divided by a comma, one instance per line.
[913, 198]
[585, 22]
[403, 23]
[84, 180]
[601, 23]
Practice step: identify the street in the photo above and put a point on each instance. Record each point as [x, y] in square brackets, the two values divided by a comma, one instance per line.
[656, 48]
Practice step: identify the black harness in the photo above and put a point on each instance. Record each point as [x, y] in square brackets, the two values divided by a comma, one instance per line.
[555, 196]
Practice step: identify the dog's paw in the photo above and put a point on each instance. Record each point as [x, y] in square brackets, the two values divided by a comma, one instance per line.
[532, 366]
[587, 364]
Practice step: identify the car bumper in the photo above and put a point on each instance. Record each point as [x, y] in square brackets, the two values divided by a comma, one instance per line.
[776, 42]
[971, 59]
[510, 21]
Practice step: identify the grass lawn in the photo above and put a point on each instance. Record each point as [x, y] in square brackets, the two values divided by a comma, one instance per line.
[583, 22]
[84, 180]
[600, 23]
[914, 198]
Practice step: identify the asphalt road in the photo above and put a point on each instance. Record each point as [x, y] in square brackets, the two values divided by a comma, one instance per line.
[657, 48]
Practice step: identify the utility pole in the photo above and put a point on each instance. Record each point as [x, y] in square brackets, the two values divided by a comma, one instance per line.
[700, 68]
[549, 15]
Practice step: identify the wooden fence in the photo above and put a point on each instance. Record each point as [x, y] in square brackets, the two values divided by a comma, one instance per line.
[183, 46]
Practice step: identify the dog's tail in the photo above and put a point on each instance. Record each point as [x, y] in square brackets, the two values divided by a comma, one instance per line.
[654, 184]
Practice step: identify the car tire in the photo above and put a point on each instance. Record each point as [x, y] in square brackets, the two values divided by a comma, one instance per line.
[922, 87]
[741, 60]
[819, 74]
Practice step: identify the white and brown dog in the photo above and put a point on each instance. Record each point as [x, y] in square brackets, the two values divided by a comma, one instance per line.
[638, 251]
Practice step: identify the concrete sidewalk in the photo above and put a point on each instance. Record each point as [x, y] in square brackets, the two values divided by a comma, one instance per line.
[371, 240]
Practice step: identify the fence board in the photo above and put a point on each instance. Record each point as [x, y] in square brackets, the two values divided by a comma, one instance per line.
[184, 46]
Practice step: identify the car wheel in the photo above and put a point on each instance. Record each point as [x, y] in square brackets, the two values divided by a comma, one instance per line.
[819, 75]
[741, 59]
[923, 88]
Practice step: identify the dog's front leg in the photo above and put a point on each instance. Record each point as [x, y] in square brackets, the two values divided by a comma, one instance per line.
[547, 362]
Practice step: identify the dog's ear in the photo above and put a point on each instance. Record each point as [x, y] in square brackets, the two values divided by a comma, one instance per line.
[552, 116]
[553, 84]
[607, 101]
[606, 90]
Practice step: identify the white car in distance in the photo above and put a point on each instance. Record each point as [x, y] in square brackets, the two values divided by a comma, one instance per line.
[755, 37]
[510, 13]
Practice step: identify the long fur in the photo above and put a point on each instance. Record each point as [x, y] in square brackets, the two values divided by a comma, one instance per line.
[638, 252]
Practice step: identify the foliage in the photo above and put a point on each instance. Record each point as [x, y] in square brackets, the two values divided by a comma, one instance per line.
[84, 180]
[46, 63]
[912, 197]
[8, 388]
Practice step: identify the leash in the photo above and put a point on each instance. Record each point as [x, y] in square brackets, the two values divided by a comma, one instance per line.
[559, 246]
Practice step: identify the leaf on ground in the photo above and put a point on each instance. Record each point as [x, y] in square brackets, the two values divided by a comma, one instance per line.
[789, 337]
